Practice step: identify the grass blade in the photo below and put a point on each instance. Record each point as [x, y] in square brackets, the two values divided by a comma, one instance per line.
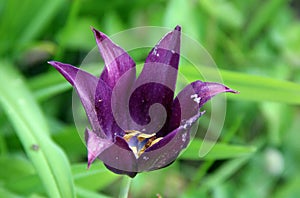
[218, 151]
[253, 88]
[30, 125]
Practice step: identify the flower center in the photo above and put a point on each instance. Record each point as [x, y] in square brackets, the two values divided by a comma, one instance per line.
[139, 142]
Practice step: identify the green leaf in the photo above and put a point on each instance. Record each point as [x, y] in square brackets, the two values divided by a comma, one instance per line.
[42, 18]
[5, 193]
[224, 172]
[187, 17]
[224, 11]
[263, 15]
[14, 167]
[95, 178]
[26, 185]
[83, 193]
[218, 151]
[30, 125]
[253, 88]
[23, 21]
[289, 189]
[47, 85]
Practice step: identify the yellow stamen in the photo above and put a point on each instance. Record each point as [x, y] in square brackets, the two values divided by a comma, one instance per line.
[140, 137]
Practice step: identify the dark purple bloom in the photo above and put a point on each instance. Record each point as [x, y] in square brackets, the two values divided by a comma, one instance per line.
[136, 123]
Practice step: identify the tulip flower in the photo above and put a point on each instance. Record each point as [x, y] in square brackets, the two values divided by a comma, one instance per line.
[136, 123]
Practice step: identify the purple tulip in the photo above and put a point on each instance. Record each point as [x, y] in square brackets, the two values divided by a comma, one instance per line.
[136, 123]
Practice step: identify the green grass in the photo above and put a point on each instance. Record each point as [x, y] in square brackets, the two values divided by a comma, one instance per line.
[255, 46]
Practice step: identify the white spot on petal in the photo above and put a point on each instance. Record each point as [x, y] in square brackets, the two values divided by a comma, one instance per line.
[183, 137]
[145, 158]
[196, 98]
[185, 126]
[155, 50]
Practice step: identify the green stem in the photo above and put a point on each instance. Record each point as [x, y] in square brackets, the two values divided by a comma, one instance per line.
[125, 186]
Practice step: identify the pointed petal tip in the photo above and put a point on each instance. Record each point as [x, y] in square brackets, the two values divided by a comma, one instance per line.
[91, 159]
[56, 64]
[231, 90]
[98, 35]
[88, 165]
[53, 63]
[178, 28]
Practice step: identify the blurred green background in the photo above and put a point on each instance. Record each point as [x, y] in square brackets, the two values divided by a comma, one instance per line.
[256, 45]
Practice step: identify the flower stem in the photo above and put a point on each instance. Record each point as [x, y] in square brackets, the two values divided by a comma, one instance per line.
[125, 186]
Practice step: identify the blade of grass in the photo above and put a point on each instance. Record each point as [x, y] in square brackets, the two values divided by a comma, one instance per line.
[223, 173]
[253, 88]
[264, 14]
[30, 125]
[200, 173]
[89, 178]
[71, 20]
[5, 193]
[218, 151]
[83, 193]
[42, 18]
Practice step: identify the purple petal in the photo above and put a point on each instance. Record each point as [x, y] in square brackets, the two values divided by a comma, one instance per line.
[192, 98]
[85, 85]
[119, 158]
[109, 153]
[104, 112]
[148, 116]
[121, 172]
[117, 61]
[95, 145]
[95, 96]
[167, 51]
[156, 83]
[167, 150]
